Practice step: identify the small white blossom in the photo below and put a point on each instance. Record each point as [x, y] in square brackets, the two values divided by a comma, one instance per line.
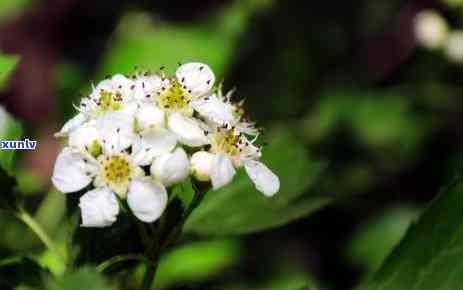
[232, 149]
[430, 28]
[113, 172]
[175, 96]
[454, 47]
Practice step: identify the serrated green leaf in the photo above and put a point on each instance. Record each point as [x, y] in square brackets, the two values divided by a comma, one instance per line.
[239, 208]
[84, 278]
[430, 257]
[7, 65]
[19, 270]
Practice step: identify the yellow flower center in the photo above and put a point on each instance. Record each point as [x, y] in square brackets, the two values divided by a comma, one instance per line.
[116, 169]
[226, 142]
[110, 101]
[174, 98]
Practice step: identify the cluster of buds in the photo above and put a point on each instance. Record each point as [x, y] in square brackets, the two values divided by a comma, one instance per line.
[433, 32]
[134, 138]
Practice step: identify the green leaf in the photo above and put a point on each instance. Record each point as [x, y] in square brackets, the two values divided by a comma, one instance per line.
[139, 41]
[239, 208]
[374, 240]
[19, 270]
[10, 129]
[84, 278]
[376, 118]
[196, 262]
[431, 254]
[7, 65]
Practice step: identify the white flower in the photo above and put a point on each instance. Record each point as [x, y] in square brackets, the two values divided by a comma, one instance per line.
[231, 149]
[192, 84]
[430, 28]
[454, 47]
[171, 168]
[109, 95]
[128, 128]
[115, 173]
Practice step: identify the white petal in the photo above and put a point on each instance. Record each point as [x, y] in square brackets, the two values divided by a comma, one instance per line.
[122, 84]
[72, 124]
[99, 208]
[187, 130]
[73, 170]
[213, 108]
[129, 108]
[84, 136]
[265, 180]
[222, 171]
[149, 115]
[116, 131]
[200, 165]
[146, 87]
[147, 199]
[151, 144]
[171, 168]
[197, 77]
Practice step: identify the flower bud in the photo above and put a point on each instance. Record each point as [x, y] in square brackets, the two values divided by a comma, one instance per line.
[200, 165]
[171, 168]
[430, 28]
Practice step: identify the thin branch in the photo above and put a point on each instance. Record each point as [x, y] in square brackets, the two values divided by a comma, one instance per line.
[119, 258]
[38, 230]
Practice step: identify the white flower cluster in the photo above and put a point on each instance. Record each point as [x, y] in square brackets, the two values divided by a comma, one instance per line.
[434, 33]
[135, 137]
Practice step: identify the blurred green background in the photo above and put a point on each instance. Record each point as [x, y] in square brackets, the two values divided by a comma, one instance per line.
[363, 128]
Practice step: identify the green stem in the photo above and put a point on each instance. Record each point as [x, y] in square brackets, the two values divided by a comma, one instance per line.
[151, 253]
[35, 227]
[148, 278]
[119, 258]
[154, 246]
[173, 234]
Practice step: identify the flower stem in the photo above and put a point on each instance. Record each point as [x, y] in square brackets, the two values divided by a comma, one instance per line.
[173, 234]
[154, 245]
[151, 254]
[37, 229]
[148, 278]
[119, 258]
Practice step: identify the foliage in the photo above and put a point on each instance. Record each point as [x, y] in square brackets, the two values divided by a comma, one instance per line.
[429, 256]
[239, 208]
